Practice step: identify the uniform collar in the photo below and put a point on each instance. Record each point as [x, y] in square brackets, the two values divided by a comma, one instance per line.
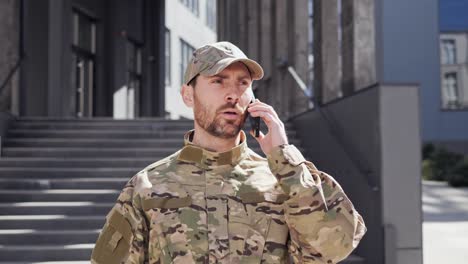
[193, 153]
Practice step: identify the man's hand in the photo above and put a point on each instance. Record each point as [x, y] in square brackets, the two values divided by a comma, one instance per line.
[276, 133]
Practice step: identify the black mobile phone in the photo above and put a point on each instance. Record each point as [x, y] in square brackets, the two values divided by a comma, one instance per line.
[254, 121]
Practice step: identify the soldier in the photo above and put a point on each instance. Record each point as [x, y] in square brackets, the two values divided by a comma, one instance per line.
[217, 201]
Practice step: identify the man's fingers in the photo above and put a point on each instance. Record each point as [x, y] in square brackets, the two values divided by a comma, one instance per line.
[267, 118]
[263, 107]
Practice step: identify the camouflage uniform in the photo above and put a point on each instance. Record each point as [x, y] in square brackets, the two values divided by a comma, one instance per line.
[198, 206]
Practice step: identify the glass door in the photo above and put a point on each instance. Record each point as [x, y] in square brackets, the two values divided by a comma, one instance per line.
[134, 78]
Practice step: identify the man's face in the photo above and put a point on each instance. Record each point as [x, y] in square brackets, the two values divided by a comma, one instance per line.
[220, 101]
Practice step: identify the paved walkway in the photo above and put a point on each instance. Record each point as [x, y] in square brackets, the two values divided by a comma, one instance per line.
[445, 226]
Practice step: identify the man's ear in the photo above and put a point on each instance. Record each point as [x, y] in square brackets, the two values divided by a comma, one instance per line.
[187, 95]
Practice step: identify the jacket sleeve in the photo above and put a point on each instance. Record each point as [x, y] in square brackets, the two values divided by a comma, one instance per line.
[323, 223]
[124, 237]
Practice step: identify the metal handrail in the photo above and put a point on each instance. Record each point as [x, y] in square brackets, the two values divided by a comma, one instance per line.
[4, 84]
[299, 82]
[348, 148]
[10, 74]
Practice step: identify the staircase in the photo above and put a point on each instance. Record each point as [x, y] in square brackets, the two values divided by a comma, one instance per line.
[60, 177]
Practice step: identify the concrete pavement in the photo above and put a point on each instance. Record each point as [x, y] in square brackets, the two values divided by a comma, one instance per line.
[445, 226]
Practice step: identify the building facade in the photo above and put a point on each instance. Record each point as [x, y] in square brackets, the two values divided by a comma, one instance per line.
[80, 58]
[376, 70]
[190, 24]
[449, 118]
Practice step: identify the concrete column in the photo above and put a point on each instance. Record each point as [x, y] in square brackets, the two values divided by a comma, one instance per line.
[9, 54]
[233, 9]
[326, 51]
[281, 87]
[220, 19]
[253, 22]
[242, 25]
[299, 103]
[56, 45]
[228, 11]
[358, 45]
[266, 47]
[271, 32]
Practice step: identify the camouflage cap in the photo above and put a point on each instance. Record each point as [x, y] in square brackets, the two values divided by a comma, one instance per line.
[213, 58]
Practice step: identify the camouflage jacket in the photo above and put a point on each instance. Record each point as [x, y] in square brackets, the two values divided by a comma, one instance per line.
[197, 206]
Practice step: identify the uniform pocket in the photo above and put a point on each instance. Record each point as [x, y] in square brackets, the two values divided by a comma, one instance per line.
[248, 228]
[267, 233]
[257, 234]
[114, 241]
[168, 228]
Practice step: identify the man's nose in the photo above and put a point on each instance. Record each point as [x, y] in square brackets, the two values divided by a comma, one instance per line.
[232, 98]
[233, 95]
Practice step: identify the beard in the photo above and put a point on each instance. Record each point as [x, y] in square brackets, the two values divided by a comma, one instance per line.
[215, 124]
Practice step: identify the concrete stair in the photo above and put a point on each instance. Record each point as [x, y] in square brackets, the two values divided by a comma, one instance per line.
[60, 177]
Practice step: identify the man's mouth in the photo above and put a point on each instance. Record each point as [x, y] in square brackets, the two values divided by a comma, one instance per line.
[230, 114]
[232, 111]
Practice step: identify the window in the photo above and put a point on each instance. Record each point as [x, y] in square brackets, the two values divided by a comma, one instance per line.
[84, 31]
[84, 62]
[186, 54]
[211, 14]
[448, 51]
[450, 91]
[167, 57]
[192, 5]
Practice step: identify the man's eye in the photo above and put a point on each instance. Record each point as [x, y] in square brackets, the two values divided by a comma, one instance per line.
[217, 81]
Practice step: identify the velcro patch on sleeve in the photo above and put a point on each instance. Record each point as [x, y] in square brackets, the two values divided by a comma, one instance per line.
[112, 244]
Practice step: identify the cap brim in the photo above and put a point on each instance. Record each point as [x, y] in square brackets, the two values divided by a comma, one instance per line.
[256, 71]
